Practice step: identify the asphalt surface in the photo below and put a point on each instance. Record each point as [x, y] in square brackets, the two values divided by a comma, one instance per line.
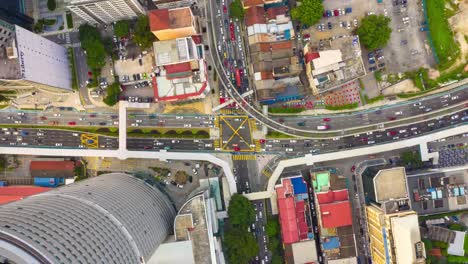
[186, 145]
[54, 139]
[217, 56]
[176, 121]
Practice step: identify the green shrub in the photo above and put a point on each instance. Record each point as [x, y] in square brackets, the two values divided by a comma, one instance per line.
[51, 5]
[342, 107]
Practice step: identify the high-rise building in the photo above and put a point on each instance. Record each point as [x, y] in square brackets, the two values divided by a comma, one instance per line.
[112, 218]
[29, 61]
[105, 11]
[393, 228]
[16, 12]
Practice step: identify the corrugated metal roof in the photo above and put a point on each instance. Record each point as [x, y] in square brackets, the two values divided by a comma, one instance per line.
[52, 165]
[336, 214]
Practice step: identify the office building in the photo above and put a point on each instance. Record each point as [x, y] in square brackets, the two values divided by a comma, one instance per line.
[17, 12]
[165, 4]
[112, 218]
[105, 11]
[393, 228]
[29, 61]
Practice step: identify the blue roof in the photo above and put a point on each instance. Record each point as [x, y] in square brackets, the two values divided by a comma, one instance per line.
[299, 185]
[331, 243]
[287, 34]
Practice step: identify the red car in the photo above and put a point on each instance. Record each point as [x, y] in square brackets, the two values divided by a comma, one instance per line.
[92, 115]
[353, 168]
[147, 147]
[392, 118]
[392, 133]
[236, 149]
[90, 73]
[262, 141]
[326, 119]
[363, 139]
[224, 9]
[72, 123]
[231, 29]
[43, 118]
[336, 12]
[306, 36]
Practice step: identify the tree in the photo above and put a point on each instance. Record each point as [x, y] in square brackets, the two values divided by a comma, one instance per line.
[180, 177]
[121, 28]
[51, 5]
[309, 12]
[113, 92]
[374, 31]
[275, 259]
[3, 162]
[236, 9]
[272, 227]
[91, 42]
[143, 36]
[241, 212]
[239, 245]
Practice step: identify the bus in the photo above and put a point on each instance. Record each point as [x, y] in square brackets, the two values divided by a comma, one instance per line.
[238, 78]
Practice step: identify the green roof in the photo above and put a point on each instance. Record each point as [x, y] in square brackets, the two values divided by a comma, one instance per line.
[321, 179]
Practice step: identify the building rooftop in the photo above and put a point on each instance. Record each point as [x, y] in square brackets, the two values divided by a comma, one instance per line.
[52, 169]
[390, 184]
[255, 15]
[321, 181]
[15, 193]
[405, 231]
[336, 214]
[161, 19]
[174, 51]
[249, 3]
[304, 252]
[174, 252]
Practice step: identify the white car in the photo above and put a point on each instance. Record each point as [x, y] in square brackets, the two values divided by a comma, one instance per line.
[58, 144]
[20, 113]
[399, 113]
[179, 117]
[75, 134]
[57, 114]
[289, 150]
[187, 125]
[455, 97]
[454, 117]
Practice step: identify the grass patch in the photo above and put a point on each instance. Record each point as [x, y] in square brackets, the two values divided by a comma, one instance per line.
[378, 75]
[3, 106]
[69, 20]
[276, 134]
[436, 216]
[168, 133]
[71, 56]
[373, 99]
[361, 84]
[445, 45]
[49, 22]
[342, 107]
[281, 110]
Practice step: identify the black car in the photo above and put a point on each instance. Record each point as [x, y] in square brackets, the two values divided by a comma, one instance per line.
[381, 65]
[372, 69]
[140, 62]
[134, 77]
[102, 123]
[330, 25]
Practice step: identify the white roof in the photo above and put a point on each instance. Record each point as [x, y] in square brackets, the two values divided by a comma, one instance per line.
[256, 29]
[456, 248]
[175, 252]
[405, 230]
[304, 252]
[42, 60]
[327, 57]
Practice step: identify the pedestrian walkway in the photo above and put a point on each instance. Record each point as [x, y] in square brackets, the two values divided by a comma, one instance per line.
[243, 157]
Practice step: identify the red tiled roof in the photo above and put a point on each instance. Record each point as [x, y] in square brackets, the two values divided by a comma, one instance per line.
[249, 3]
[281, 45]
[311, 55]
[266, 75]
[264, 46]
[336, 214]
[288, 220]
[14, 193]
[332, 196]
[178, 68]
[52, 165]
[275, 11]
[255, 15]
[158, 19]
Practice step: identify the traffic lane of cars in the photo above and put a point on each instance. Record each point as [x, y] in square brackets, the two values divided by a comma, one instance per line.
[205, 121]
[151, 144]
[16, 137]
[59, 118]
[298, 147]
[258, 230]
[376, 116]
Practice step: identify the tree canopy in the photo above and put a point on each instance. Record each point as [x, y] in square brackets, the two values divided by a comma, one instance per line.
[309, 12]
[91, 42]
[143, 36]
[239, 245]
[374, 31]
[113, 92]
[121, 28]
[241, 212]
[236, 9]
[51, 5]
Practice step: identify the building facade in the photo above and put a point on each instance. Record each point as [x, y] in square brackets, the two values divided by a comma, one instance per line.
[17, 12]
[105, 11]
[22, 59]
[113, 218]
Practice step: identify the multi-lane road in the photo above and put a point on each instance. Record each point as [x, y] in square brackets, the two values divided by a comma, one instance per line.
[291, 147]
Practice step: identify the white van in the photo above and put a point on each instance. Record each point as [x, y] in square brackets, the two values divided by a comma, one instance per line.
[325, 127]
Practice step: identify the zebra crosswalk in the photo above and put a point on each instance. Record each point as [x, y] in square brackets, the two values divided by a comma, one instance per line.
[244, 157]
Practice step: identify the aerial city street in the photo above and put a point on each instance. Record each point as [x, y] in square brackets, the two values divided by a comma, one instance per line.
[233, 131]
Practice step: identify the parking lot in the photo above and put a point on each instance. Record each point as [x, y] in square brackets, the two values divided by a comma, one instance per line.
[406, 48]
